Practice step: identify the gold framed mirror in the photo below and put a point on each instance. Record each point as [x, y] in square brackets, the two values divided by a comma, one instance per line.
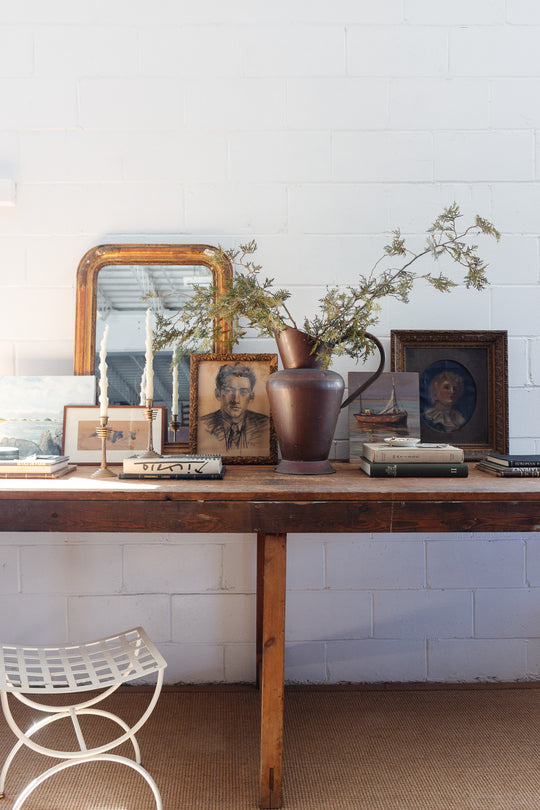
[112, 281]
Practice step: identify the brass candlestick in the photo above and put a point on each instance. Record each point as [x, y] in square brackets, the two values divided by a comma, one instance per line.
[103, 431]
[174, 424]
[150, 415]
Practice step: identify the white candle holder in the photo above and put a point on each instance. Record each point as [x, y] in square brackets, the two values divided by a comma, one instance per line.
[103, 431]
[150, 415]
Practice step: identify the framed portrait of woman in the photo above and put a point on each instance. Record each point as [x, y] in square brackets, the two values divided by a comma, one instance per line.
[463, 381]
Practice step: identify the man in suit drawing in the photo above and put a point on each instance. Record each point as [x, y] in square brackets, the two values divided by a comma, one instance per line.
[234, 428]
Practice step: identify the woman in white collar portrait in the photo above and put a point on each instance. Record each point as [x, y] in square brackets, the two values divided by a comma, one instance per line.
[445, 392]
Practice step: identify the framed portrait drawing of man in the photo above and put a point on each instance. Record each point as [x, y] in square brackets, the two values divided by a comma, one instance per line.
[229, 408]
[463, 377]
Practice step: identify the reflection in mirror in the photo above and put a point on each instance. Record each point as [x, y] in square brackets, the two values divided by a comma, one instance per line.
[116, 284]
[124, 292]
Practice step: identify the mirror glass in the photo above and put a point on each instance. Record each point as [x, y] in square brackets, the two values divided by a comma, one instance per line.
[122, 301]
[116, 284]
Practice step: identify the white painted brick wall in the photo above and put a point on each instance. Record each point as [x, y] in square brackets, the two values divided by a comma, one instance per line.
[212, 618]
[435, 104]
[478, 660]
[315, 128]
[71, 569]
[381, 564]
[482, 564]
[179, 568]
[477, 157]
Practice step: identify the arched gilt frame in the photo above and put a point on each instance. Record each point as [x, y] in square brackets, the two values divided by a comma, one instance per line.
[105, 255]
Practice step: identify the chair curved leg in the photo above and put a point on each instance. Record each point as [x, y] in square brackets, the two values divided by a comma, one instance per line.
[129, 734]
[21, 741]
[7, 763]
[21, 798]
[58, 754]
[122, 724]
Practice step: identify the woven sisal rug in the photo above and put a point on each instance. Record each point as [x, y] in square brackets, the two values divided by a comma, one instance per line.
[350, 749]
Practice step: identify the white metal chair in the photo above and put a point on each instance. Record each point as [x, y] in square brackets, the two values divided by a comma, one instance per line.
[105, 665]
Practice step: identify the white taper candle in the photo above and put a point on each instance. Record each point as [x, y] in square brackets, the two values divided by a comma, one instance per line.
[149, 358]
[103, 399]
[174, 405]
[142, 400]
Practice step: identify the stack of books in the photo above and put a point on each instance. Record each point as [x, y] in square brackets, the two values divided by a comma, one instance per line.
[508, 466]
[382, 460]
[36, 467]
[186, 466]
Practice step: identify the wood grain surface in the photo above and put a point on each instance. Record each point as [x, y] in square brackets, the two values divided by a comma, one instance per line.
[257, 499]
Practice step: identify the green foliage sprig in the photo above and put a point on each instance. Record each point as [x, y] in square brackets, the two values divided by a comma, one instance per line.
[346, 312]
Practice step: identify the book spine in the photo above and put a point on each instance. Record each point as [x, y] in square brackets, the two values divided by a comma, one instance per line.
[517, 464]
[176, 476]
[429, 456]
[38, 469]
[413, 469]
[508, 461]
[163, 466]
[511, 472]
[35, 474]
[44, 461]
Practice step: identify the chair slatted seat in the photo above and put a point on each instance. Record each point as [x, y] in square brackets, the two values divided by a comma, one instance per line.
[102, 665]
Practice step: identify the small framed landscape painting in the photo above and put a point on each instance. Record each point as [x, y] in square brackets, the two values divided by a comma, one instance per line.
[463, 377]
[128, 436]
[388, 407]
[229, 407]
[32, 410]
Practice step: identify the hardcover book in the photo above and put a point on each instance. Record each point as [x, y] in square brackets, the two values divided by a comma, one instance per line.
[39, 464]
[414, 469]
[514, 460]
[380, 451]
[180, 476]
[59, 473]
[186, 466]
[508, 472]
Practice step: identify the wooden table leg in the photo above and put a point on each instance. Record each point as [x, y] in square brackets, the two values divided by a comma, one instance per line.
[272, 555]
[260, 601]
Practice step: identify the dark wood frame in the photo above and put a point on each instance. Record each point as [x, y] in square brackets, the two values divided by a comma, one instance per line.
[195, 361]
[102, 256]
[408, 346]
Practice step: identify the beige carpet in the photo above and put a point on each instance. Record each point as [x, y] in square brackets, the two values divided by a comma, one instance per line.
[350, 749]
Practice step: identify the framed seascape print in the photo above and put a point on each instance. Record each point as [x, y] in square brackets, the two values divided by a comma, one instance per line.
[32, 410]
[128, 436]
[229, 408]
[463, 377]
[390, 406]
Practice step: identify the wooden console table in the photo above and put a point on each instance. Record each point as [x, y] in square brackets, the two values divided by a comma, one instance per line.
[258, 500]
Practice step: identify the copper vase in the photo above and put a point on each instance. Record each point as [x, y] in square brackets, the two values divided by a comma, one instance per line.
[305, 401]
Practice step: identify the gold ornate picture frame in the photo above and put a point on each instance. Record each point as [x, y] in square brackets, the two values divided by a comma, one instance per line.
[229, 408]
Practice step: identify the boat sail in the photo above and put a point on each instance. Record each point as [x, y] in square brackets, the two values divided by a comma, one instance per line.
[391, 414]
